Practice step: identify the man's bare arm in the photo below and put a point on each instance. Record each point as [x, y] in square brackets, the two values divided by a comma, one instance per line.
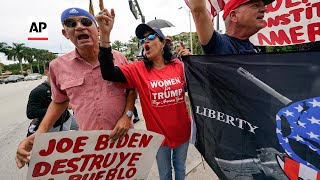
[53, 113]
[55, 110]
[123, 124]
[202, 20]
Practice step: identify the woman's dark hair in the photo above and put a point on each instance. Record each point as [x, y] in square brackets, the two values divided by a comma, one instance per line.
[167, 55]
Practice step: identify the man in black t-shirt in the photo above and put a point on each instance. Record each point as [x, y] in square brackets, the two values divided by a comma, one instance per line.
[243, 18]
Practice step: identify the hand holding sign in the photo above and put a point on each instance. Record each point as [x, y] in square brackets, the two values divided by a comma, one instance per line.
[23, 151]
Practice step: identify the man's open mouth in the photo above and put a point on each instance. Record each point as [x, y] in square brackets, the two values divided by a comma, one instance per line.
[83, 36]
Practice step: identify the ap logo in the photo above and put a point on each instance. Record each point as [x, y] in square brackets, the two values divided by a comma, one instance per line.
[37, 28]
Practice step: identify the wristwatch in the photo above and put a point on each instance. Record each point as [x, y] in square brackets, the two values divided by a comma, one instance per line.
[129, 113]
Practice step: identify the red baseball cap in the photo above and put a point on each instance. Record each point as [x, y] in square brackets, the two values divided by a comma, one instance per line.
[233, 4]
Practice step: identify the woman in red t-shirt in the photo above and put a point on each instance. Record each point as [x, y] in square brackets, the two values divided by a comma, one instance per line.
[160, 82]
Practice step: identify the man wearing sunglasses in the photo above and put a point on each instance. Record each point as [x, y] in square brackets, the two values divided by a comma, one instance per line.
[76, 78]
[243, 18]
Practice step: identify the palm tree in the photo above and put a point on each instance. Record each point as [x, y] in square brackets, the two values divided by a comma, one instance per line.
[40, 56]
[16, 52]
[49, 56]
[3, 49]
[118, 45]
[29, 56]
[132, 48]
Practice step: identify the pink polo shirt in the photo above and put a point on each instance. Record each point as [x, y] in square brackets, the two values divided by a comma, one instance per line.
[98, 104]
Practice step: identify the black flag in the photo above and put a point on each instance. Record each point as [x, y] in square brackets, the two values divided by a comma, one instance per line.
[257, 116]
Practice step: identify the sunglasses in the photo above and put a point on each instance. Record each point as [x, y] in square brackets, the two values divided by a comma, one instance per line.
[150, 37]
[71, 23]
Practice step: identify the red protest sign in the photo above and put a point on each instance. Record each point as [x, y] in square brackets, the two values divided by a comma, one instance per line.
[91, 155]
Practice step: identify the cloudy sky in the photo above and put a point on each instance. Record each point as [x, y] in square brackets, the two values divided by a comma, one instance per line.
[15, 14]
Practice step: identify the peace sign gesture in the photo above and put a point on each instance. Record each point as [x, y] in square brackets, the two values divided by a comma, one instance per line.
[105, 20]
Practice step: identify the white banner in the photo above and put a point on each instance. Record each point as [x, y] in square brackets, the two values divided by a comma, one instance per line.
[91, 155]
[289, 22]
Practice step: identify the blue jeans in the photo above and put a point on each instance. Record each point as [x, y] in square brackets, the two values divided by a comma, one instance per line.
[179, 156]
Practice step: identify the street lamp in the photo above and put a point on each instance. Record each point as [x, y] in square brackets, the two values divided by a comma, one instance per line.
[189, 13]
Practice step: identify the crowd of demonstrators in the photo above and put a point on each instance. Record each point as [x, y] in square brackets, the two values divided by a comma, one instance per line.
[38, 103]
[243, 18]
[76, 79]
[163, 113]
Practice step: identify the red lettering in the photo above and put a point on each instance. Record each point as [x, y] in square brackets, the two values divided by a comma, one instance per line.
[99, 175]
[102, 142]
[85, 161]
[285, 19]
[313, 31]
[50, 149]
[105, 162]
[123, 157]
[58, 164]
[75, 177]
[64, 141]
[79, 144]
[111, 174]
[290, 4]
[72, 165]
[273, 22]
[134, 157]
[317, 5]
[131, 172]
[296, 14]
[276, 7]
[133, 140]
[279, 38]
[122, 142]
[96, 162]
[37, 171]
[294, 35]
[120, 176]
[145, 140]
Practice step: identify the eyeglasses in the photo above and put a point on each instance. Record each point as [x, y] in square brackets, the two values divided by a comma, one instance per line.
[71, 23]
[150, 37]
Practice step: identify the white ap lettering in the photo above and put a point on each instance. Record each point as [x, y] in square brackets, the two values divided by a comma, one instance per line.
[34, 27]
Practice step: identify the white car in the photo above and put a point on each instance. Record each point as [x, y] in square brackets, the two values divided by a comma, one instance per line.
[34, 76]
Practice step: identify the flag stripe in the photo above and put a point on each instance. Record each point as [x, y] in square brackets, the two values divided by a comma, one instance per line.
[213, 6]
[291, 168]
[307, 173]
[318, 177]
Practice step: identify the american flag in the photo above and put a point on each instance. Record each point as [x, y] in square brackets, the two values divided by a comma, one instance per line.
[302, 127]
[213, 6]
[296, 170]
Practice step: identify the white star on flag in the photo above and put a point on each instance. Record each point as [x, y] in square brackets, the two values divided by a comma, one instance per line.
[286, 140]
[299, 108]
[288, 153]
[278, 131]
[288, 113]
[302, 124]
[278, 118]
[315, 103]
[314, 120]
[298, 138]
[313, 135]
